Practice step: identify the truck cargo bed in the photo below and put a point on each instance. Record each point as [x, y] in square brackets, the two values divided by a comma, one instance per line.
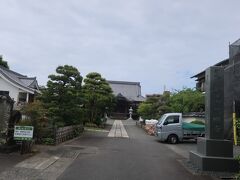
[193, 127]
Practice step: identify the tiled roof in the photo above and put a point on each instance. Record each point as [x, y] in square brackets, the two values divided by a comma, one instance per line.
[225, 62]
[129, 90]
[236, 43]
[29, 83]
[124, 82]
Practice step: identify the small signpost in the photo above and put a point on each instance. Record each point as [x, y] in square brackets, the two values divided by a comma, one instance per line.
[23, 133]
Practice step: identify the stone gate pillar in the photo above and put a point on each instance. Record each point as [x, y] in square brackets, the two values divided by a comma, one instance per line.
[5, 112]
[213, 152]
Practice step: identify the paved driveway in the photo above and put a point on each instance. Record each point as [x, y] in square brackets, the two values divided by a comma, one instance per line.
[189, 145]
[138, 157]
[122, 151]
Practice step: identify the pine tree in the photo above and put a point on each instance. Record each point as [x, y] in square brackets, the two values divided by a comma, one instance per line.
[97, 96]
[62, 96]
[3, 63]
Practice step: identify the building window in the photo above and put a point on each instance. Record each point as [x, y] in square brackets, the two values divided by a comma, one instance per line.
[4, 93]
[22, 97]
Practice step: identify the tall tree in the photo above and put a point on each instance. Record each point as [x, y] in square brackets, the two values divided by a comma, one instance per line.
[62, 96]
[3, 63]
[184, 101]
[155, 106]
[97, 95]
[164, 104]
[187, 100]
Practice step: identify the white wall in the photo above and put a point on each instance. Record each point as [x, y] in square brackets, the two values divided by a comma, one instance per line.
[13, 91]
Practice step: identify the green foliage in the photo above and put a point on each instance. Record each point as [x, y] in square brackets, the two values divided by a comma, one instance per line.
[89, 124]
[98, 121]
[62, 96]
[237, 176]
[3, 63]
[35, 114]
[97, 95]
[34, 111]
[238, 123]
[187, 100]
[48, 141]
[77, 131]
[238, 131]
[2, 141]
[26, 122]
[155, 106]
[147, 110]
[46, 132]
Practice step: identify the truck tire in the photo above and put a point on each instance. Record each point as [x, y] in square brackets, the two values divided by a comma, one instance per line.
[173, 139]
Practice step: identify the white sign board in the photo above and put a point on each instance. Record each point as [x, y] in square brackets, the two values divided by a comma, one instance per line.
[23, 133]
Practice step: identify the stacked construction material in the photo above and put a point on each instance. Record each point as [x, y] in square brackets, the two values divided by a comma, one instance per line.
[150, 126]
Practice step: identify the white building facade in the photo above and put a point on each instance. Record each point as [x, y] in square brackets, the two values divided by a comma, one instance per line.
[20, 88]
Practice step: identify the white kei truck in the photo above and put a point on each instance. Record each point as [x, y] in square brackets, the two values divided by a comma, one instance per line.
[173, 127]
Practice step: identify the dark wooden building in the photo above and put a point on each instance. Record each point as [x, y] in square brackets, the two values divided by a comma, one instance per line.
[128, 94]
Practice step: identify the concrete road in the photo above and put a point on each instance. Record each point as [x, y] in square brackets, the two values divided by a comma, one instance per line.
[7, 161]
[135, 156]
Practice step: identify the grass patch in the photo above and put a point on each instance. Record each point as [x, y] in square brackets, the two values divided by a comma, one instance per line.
[96, 129]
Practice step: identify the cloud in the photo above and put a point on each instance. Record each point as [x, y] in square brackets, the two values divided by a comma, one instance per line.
[155, 42]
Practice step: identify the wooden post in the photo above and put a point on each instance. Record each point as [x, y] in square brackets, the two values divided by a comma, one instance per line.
[234, 124]
[27, 99]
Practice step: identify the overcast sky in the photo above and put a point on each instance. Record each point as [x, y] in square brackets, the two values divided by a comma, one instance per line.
[155, 42]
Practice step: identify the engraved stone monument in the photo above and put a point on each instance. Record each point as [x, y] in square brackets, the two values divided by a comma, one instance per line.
[213, 152]
[232, 89]
[8, 118]
[5, 113]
